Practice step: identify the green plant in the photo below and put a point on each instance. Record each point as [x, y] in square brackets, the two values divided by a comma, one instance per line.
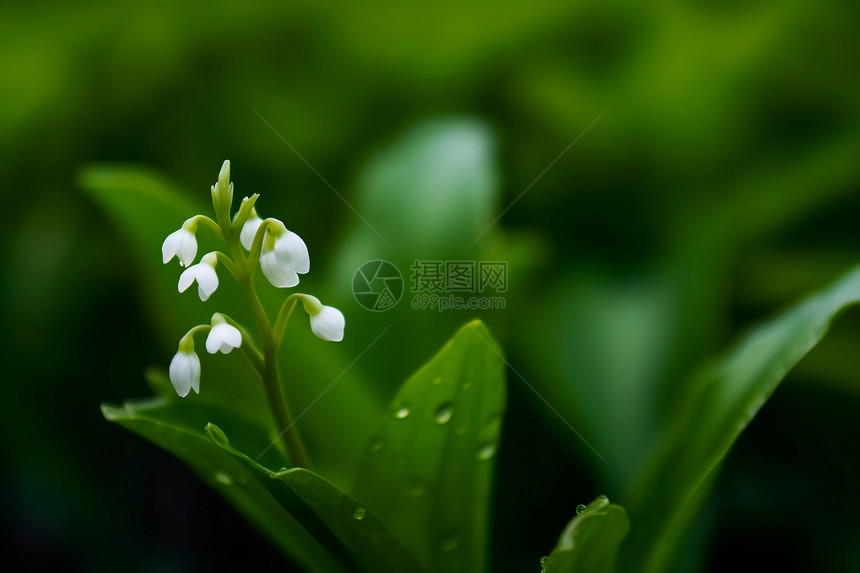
[407, 486]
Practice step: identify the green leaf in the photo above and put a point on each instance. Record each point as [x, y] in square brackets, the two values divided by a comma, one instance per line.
[347, 529]
[428, 471]
[720, 404]
[591, 540]
[162, 423]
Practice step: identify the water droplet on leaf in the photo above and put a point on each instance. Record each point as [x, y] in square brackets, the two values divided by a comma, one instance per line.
[223, 478]
[579, 509]
[444, 413]
[359, 513]
[401, 412]
[486, 451]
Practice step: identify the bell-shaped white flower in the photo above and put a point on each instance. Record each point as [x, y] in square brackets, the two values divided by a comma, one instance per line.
[181, 244]
[249, 230]
[223, 338]
[327, 322]
[205, 275]
[284, 257]
[185, 372]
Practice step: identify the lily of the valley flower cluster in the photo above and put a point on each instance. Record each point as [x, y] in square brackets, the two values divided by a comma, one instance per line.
[281, 254]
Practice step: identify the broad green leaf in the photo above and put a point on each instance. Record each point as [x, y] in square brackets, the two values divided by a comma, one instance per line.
[177, 429]
[145, 207]
[719, 405]
[428, 471]
[347, 529]
[590, 542]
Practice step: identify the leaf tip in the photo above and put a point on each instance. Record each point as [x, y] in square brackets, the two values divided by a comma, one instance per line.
[217, 435]
[113, 412]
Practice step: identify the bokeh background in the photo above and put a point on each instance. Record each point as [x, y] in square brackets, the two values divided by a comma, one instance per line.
[721, 183]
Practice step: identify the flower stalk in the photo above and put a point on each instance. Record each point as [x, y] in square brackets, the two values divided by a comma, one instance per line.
[282, 256]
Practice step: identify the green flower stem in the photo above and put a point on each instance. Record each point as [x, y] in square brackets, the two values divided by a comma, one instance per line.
[209, 223]
[247, 364]
[248, 355]
[284, 317]
[187, 341]
[288, 435]
[228, 263]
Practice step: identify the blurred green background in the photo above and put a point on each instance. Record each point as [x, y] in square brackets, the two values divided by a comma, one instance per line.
[720, 184]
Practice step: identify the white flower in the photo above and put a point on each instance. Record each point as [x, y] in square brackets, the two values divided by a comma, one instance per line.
[249, 231]
[181, 244]
[224, 338]
[327, 322]
[185, 372]
[284, 257]
[205, 275]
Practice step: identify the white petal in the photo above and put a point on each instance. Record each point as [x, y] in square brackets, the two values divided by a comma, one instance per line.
[249, 231]
[223, 338]
[292, 251]
[170, 246]
[232, 336]
[279, 275]
[186, 278]
[328, 324]
[207, 280]
[187, 247]
[181, 244]
[185, 372]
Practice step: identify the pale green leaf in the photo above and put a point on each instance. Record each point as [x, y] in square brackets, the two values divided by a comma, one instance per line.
[428, 471]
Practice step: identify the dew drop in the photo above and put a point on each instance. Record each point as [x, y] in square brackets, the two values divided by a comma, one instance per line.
[443, 413]
[401, 412]
[282, 470]
[450, 544]
[486, 451]
[223, 478]
[359, 513]
[579, 509]
[376, 445]
[543, 560]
